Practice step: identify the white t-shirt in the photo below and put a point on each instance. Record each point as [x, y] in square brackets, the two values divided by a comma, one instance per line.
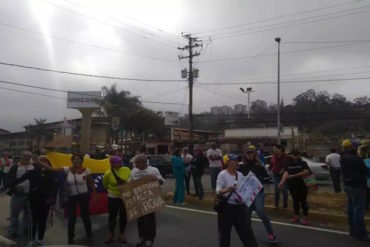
[150, 170]
[214, 152]
[333, 160]
[187, 158]
[225, 180]
[77, 182]
[21, 170]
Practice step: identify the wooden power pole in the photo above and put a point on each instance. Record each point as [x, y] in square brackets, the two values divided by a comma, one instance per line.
[191, 74]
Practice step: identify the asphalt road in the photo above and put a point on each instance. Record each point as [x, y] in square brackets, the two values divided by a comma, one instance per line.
[182, 227]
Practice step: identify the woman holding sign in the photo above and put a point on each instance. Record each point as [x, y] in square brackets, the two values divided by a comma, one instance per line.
[296, 169]
[251, 164]
[113, 178]
[233, 211]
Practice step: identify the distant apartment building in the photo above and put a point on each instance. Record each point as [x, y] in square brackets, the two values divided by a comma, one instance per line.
[225, 110]
[214, 110]
[240, 109]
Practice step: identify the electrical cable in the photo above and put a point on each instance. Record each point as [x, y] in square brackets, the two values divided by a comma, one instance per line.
[85, 44]
[277, 17]
[87, 75]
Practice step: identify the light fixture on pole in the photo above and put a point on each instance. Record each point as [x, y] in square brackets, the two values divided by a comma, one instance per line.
[248, 91]
[278, 93]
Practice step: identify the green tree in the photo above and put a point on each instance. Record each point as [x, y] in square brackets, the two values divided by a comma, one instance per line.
[37, 131]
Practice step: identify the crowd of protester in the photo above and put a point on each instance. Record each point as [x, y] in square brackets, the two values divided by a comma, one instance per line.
[33, 185]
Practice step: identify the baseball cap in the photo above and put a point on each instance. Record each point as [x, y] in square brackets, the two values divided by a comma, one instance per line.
[115, 159]
[252, 147]
[346, 143]
[228, 157]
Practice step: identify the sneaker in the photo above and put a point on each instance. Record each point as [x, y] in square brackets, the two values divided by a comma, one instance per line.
[122, 239]
[148, 243]
[294, 219]
[305, 221]
[109, 239]
[272, 238]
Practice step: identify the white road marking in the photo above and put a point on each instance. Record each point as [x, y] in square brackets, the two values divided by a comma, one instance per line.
[258, 220]
[6, 241]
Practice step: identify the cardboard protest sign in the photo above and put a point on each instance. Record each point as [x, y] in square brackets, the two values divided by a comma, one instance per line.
[141, 197]
[249, 187]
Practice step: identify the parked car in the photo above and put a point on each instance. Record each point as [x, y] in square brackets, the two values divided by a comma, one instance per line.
[320, 170]
[162, 162]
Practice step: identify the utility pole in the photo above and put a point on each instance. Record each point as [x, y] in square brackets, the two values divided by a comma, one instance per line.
[191, 74]
[278, 94]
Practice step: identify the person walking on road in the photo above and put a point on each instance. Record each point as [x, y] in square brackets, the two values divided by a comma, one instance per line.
[78, 180]
[187, 161]
[197, 169]
[19, 194]
[251, 164]
[42, 196]
[214, 156]
[294, 173]
[146, 224]
[333, 162]
[355, 184]
[179, 172]
[113, 178]
[234, 212]
[277, 165]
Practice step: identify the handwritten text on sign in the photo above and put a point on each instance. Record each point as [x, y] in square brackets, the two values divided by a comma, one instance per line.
[141, 197]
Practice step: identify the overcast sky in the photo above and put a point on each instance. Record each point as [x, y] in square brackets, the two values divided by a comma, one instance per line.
[139, 39]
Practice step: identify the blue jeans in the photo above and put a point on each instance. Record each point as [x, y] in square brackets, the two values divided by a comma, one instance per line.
[356, 211]
[214, 174]
[17, 204]
[259, 207]
[277, 179]
[179, 196]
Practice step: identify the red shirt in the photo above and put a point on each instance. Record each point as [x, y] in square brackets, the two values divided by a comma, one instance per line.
[278, 164]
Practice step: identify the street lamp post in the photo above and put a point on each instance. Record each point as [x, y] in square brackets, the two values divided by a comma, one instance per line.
[278, 93]
[248, 91]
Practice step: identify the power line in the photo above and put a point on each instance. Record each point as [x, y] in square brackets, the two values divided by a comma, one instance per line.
[289, 23]
[286, 52]
[64, 91]
[85, 44]
[325, 42]
[32, 93]
[278, 17]
[135, 20]
[274, 82]
[87, 75]
[238, 65]
[107, 24]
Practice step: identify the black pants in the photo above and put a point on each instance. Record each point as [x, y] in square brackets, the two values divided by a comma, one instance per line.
[298, 190]
[115, 207]
[198, 183]
[83, 201]
[187, 178]
[2, 175]
[146, 226]
[40, 212]
[335, 176]
[237, 216]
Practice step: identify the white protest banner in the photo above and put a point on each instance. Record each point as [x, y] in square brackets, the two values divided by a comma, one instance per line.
[141, 197]
[249, 187]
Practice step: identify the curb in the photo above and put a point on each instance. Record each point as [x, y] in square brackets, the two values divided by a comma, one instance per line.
[315, 216]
